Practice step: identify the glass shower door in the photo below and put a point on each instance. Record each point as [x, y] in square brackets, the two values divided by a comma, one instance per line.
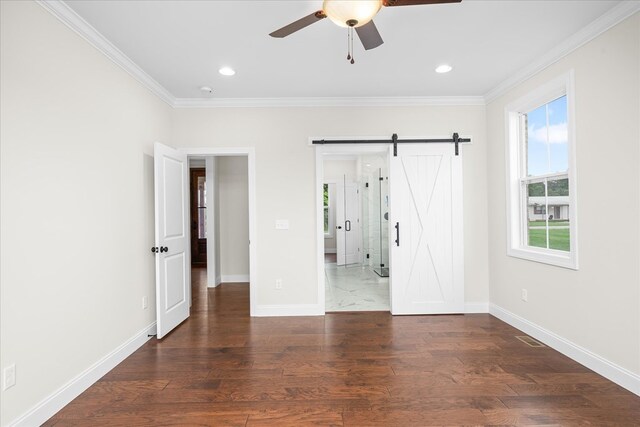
[380, 196]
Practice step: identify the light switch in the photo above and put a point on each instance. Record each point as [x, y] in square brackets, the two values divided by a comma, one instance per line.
[282, 224]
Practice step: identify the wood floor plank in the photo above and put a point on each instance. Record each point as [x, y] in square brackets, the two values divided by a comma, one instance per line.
[296, 418]
[414, 418]
[223, 368]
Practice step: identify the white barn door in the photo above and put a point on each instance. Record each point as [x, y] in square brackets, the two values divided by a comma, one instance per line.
[427, 267]
[173, 274]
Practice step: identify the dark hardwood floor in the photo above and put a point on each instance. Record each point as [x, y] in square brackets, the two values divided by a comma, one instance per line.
[223, 368]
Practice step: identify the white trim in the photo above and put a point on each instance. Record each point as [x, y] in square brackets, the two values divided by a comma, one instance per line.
[289, 310]
[390, 101]
[619, 375]
[330, 250]
[611, 18]
[57, 400]
[71, 19]
[234, 278]
[516, 206]
[476, 307]
[250, 152]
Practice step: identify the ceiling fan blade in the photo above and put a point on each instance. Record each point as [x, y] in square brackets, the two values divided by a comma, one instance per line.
[389, 3]
[299, 24]
[369, 35]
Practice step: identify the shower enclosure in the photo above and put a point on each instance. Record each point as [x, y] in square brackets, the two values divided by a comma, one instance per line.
[375, 229]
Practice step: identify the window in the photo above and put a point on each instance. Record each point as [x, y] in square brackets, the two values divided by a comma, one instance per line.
[329, 215]
[326, 208]
[541, 175]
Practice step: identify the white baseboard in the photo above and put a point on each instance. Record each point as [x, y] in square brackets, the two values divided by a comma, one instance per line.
[234, 278]
[330, 250]
[619, 375]
[288, 310]
[476, 307]
[65, 394]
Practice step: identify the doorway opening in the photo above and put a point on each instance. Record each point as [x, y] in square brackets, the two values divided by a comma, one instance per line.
[173, 226]
[356, 231]
[220, 218]
[198, 212]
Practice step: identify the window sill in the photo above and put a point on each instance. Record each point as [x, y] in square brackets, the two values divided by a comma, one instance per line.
[547, 256]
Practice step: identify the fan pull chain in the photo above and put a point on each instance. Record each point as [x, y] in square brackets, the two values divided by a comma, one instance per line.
[350, 56]
[348, 44]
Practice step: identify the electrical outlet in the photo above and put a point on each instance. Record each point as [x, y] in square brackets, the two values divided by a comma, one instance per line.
[525, 295]
[282, 224]
[145, 303]
[278, 284]
[9, 377]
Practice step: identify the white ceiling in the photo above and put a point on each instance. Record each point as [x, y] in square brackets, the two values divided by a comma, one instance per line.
[182, 44]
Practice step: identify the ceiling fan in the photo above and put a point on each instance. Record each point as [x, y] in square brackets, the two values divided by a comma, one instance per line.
[353, 14]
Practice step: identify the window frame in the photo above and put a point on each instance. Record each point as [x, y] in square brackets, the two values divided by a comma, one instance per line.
[330, 209]
[516, 201]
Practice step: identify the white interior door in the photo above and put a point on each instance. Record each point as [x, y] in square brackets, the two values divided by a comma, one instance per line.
[347, 223]
[173, 275]
[427, 267]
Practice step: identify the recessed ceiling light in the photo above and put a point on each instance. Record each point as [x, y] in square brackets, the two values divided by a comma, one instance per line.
[444, 68]
[206, 89]
[227, 71]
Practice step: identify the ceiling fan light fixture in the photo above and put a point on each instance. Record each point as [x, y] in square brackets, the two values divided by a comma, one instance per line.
[344, 12]
[227, 71]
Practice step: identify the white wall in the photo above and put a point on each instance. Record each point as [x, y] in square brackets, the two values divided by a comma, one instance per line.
[76, 204]
[598, 306]
[233, 212]
[213, 224]
[285, 175]
[337, 169]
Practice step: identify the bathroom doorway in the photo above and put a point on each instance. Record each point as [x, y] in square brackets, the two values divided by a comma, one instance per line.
[356, 251]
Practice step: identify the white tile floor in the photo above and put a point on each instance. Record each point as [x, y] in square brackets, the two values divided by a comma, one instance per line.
[355, 289]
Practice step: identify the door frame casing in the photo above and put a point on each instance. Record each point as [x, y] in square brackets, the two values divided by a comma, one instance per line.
[250, 153]
[321, 151]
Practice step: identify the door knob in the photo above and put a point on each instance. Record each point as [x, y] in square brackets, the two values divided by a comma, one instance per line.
[339, 227]
[154, 249]
[164, 249]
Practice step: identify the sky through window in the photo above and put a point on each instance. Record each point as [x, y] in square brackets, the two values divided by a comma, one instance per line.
[547, 140]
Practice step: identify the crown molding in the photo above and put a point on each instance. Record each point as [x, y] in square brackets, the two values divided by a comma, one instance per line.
[71, 19]
[412, 101]
[611, 18]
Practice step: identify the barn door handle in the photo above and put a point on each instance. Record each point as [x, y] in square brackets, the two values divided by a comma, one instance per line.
[347, 225]
[397, 234]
